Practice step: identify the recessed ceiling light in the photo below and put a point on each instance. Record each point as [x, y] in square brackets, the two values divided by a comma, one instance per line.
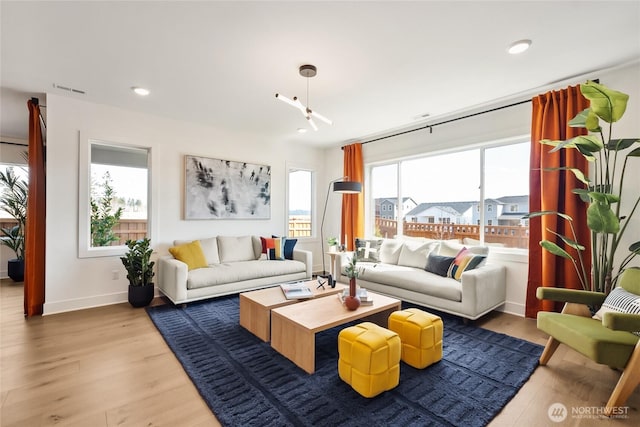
[519, 46]
[141, 91]
[302, 130]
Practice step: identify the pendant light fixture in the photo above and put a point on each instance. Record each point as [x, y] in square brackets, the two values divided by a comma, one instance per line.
[306, 71]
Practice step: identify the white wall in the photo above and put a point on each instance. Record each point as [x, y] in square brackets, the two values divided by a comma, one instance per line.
[628, 81]
[503, 125]
[73, 283]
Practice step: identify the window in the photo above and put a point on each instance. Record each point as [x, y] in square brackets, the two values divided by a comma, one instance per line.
[448, 188]
[384, 184]
[300, 196]
[7, 221]
[507, 179]
[114, 203]
[431, 180]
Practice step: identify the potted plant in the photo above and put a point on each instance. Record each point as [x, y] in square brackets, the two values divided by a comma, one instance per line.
[13, 200]
[333, 244]
[137, 261]
[352, 301]
[606, 217]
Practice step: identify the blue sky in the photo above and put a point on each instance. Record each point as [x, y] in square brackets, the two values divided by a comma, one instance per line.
[456, 176]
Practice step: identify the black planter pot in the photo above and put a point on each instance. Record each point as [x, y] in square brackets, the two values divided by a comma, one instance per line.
[141, 296]
[15, 269]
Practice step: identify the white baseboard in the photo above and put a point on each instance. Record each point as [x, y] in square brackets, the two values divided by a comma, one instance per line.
[514, 308]
[88, 302]
[517, 309]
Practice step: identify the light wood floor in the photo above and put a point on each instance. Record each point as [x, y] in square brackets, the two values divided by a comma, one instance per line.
[109, 366]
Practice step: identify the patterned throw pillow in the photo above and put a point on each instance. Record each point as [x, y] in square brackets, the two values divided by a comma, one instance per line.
[273, 248]
[289, 244]
[465, 260]
[439, 264]
[620, 300]
[267, 243]
[368, 250]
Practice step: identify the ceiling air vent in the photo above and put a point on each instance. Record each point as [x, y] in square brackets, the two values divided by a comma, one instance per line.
[68, 89]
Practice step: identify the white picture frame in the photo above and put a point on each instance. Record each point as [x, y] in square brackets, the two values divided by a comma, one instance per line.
[226, 189]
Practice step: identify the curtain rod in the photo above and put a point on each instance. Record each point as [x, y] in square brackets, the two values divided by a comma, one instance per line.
[36, 101]
[431, 126]
[14, 143]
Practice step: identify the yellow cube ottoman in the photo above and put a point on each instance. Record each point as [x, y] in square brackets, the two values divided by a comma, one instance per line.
[421, 336]
[369, 358]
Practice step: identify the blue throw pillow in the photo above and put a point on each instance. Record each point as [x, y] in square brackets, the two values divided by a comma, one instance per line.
[289, 244]
[439, 264]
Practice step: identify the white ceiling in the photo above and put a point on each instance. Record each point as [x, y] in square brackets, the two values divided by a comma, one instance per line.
[380, 64]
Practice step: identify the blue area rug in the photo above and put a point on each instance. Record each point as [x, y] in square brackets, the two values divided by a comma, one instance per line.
[245, 382]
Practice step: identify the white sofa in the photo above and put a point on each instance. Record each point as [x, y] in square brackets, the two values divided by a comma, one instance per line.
[235, 264]
[401, 273]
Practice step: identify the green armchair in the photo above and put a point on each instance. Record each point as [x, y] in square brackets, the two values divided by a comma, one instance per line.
[609, 341]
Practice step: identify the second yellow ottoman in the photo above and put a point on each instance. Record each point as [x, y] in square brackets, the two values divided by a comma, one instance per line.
[369, 358]
[421, 336]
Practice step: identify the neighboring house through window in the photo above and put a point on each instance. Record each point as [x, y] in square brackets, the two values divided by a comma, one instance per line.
[458, 202]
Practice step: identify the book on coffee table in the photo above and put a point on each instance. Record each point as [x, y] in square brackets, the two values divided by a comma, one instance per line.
[365, 299]
[296, 290]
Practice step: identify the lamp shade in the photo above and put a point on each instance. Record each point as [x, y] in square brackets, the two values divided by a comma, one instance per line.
[348, 187]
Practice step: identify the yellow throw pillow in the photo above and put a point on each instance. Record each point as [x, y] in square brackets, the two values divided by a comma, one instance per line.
[190, 253]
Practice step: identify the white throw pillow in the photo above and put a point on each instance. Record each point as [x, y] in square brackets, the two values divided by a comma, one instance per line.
[235, 248]
[415, 255]
[210, 250]
[452, 248]
[390, 251]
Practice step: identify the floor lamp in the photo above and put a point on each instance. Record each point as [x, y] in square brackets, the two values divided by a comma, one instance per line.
[340, 185]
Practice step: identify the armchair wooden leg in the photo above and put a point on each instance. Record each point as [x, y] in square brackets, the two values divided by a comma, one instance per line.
[628, 381]
[549, 349]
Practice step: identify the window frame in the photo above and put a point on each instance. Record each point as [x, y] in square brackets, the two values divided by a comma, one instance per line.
[481, 208]
[313, 214]
[85, 250]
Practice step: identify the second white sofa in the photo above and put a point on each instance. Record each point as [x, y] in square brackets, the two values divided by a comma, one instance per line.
[400, 271]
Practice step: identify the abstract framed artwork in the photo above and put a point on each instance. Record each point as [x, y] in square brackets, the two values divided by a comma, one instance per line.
[225, 189]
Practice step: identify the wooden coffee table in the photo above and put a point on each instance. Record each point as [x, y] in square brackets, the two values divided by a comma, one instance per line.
[294, 327]
[256, 306]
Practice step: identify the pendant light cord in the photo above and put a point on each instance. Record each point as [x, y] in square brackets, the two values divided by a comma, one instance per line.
[307, 93]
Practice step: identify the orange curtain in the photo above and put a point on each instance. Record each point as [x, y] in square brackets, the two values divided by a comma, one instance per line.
[552, 191]
[36, 214]
[353, 204]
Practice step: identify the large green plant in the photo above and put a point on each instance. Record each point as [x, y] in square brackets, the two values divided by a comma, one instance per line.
[607, 218]
[103, 218]
[137, 261]
[13, 200]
